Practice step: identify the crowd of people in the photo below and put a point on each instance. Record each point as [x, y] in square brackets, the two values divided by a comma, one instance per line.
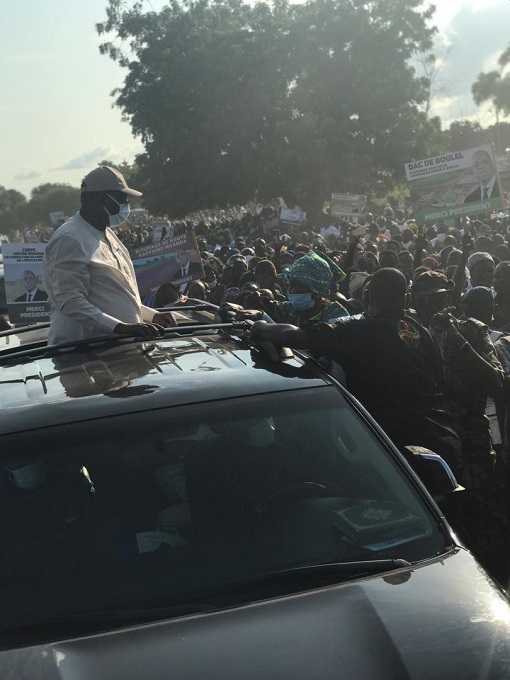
[414, 321]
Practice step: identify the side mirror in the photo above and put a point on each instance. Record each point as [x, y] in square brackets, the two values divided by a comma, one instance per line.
[433, 471]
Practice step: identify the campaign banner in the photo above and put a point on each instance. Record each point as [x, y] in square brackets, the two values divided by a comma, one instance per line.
[454, 185]
[292, 215]
[176, 260]
[347, 205]
[27, 301]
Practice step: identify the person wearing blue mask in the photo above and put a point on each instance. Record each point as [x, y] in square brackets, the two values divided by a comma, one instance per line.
[311, 283]
[87, 271]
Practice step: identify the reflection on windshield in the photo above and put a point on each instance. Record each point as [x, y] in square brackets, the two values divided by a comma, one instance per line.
[178, 501]
[123, 367]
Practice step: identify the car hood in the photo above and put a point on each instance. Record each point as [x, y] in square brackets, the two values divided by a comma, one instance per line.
[442, 620]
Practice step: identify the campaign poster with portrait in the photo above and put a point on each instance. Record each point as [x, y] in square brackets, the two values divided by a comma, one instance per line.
[347, 205]
[292, 215]
[454, 185]
[27, 301]
[292, 220]
[176, 260]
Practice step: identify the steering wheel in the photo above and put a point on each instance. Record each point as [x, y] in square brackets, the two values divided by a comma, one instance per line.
[313, 490]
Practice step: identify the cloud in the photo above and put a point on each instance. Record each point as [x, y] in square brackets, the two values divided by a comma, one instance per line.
[490, 63]
[442, 106]
[28, 174]
[28, 58]
[447, 11]
[474, 47]
[85, 160]
[113, 154]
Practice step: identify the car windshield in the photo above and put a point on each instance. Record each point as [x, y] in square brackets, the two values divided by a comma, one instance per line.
[156, 508]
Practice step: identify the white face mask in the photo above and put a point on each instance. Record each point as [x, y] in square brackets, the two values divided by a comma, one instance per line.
[121, 216]
[30, 476]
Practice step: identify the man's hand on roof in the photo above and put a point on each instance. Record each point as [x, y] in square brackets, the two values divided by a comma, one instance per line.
[249, 315]
[227, 312]
[262, 332]
[165, 319]
[147, 331]
[263, 335]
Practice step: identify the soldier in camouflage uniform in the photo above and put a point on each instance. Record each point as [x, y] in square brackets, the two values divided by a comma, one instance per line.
[472, 373]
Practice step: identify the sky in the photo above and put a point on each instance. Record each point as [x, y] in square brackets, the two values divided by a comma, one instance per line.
[57, 113]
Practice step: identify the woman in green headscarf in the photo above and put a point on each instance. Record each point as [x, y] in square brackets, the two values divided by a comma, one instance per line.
[311, 282]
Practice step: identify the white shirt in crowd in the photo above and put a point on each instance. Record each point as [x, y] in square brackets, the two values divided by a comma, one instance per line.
[330, 231]
[438, 241]
[90, 281]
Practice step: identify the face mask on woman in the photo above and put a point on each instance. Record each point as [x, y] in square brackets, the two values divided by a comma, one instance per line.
[301, 301]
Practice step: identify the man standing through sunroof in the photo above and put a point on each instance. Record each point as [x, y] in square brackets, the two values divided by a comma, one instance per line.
[87, 271]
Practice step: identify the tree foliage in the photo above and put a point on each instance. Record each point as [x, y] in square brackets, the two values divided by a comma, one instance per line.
[18, 213]
[494, 86]
[465, 134]
[12, 203]
[233, 100]
[50, 197]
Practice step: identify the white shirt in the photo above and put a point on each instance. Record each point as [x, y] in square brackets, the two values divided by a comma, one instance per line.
[439, 240]
[90, 281]
[489, 187]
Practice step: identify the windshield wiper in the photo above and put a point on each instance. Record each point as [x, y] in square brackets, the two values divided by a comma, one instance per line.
[355, 568]
[310, 576]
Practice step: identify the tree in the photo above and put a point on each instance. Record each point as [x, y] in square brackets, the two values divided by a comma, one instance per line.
[465, 134]
[234, 101]
[50, 197]
[431, 64]
[11, 206]
[494, 86]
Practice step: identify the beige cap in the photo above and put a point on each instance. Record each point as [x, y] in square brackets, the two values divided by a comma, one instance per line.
[104, 178]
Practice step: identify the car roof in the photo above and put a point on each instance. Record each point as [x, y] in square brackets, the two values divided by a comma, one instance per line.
[45, 389]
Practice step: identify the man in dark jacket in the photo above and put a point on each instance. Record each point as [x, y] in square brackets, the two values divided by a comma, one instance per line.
[390, 362]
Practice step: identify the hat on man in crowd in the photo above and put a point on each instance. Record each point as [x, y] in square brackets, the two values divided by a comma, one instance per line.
[230, 295]
[478, 294]
[431, 282]
[431, 262]
[475, 258]
[105, 178]
[478, 303]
